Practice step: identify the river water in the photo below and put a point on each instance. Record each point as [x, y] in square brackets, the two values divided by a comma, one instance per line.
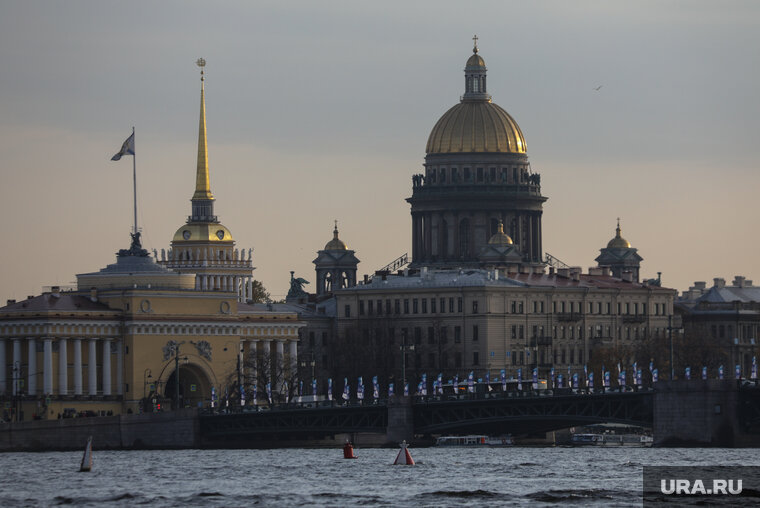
[511, 476]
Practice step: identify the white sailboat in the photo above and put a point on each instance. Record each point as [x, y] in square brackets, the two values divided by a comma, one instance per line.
[87, 457]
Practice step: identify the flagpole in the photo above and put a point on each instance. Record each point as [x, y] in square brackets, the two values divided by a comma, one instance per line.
[134, 176]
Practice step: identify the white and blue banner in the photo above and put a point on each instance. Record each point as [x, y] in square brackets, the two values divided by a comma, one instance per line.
[738, 371]
[720, 372]
[503, 380]
[585, 373]
[687, 373]
[651, 366]
[127, 148]
[254, 395]
[704, 373]
[552, 378]
[471, 382]
[286, 389]
[440, 383]
[213, 397]
[575, 380]
[535, 378]
[360, 389]
[622, 378]
[269, 392]
[519, 379]
[346, 389]
[655, 375]
[639, 378]
[329, 389]
[606, 379]
[753, 374]
[591, 379]
[375, 388]
[390, 390]
[560, 381]
[488, 381]
[456, 383]
[242, 395]
[406, 389]
[314, 387]
[423, 391]
[419, 388]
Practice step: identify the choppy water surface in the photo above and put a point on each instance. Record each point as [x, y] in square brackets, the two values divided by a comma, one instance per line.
[514, 476]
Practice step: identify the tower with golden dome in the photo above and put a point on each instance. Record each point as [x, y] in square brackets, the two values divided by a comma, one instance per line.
[477, 175]
[203, 245]
[620, 257]
[335, 266]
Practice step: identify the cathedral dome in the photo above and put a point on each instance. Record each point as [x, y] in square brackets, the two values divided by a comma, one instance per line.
[476, 126]
[618, 242]
[500, 237]
[336, 243]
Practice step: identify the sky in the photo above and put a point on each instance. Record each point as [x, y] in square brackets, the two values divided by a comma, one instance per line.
[319, 111]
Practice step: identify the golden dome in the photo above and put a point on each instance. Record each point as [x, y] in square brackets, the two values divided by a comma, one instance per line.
[335, 243]
[500, 237]
[476, 126]
[618, 242]
[475, 61]
[202, 232]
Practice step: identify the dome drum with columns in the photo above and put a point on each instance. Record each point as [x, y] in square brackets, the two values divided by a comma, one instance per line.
[335, 266]
[477, 174]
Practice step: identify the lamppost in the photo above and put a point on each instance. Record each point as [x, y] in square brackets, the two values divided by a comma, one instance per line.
[146, 375]
[404, 348]
[175, 348]
[670, 334]
[239, 373]
[310, 363]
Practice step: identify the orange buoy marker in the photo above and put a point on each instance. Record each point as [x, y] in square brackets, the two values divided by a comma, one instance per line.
[404, 458]
[348, 451]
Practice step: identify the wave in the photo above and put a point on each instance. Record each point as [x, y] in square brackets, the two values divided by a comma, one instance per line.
[579, 495]
[461, 493]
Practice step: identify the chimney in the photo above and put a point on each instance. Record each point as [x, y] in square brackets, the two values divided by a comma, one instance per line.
[719, 282]
[575, 273]
[563, 272]
[551, 270]
[496, 274]
[93, 294]
[700, 284]
[738, 281]
[627, 276]
[11, 302]
[366, 278]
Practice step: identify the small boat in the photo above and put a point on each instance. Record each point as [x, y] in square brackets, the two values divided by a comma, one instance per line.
[639, 440]
[87, 457]
[474, 440]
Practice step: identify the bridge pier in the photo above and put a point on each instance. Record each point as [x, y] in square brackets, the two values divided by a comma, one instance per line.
[699, 413]
[400, 420]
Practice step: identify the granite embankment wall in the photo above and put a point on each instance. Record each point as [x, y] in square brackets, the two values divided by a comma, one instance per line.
[162, 430]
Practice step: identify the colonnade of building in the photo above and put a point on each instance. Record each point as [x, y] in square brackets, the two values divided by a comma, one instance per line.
[261, 348]
[243, 286]
[73, 368]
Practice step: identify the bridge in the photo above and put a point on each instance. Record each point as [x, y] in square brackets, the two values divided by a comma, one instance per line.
[509, 413]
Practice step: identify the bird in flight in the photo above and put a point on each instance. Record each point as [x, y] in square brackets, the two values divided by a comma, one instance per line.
[598, 88]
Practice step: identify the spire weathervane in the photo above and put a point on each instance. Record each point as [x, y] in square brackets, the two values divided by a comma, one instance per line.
[201, 62]
[475, 46]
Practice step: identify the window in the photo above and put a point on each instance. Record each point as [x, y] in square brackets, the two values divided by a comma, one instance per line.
[522, 357]
[514, 357]
[324, 338]
[431, 335]
[480, 175]
[457, 334]
[522, 332]
[459, 304]
[417, 335]
[388, 306]
[609, 308]
[475, 358]
[443, 175]
[379, 307]
[424, 305]
[451, 305]
[361, 307]
[572, 356]
[474, 306]
[432, 305]
[415, 306]
[391, 336]
[431, 359]
[457, 359]
[347, 311]
[514, 331]
[397, 306]
[311, 339]
[444, 334]
[370, 307]
[406, 305]
[443, 305]
[475, 333]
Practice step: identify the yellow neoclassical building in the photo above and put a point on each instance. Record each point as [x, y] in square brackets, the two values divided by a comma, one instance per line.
[120, 340]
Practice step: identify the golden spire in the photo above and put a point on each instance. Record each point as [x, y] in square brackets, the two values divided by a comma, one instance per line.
[335, 243]
[618, 242]
[202, 182]
[500, 237]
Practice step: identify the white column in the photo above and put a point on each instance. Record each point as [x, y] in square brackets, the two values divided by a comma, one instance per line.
[31, 383]
[253, 359]
[63, 367]
[92, 367]
[107, 366]
[16, 365]
[3, 386]
[77, 366]
[293, 357]
[47, 366]
[250, 288]
[120, 367]
[279, 363]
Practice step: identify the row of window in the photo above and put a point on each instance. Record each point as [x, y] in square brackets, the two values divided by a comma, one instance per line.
[439, 306]
[480, 175]
[418, 306]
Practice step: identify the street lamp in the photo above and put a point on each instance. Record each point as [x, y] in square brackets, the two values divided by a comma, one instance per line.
[239, 373]
[404, 348]
[146, 375]
[175, 348]
[311, 363]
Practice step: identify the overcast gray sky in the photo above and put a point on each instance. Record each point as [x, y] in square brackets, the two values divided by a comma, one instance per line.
[320, 110]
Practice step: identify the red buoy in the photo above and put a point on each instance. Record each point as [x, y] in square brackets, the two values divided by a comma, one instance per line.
[348, 451]
[404, 458]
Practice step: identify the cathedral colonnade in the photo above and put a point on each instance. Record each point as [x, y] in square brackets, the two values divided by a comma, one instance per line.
[61, 366]
[276, 360]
